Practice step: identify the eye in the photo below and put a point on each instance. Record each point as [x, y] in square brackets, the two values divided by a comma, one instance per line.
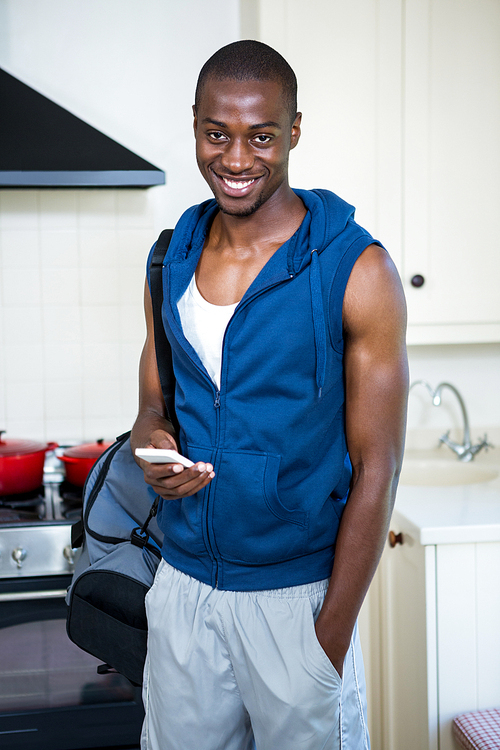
[262, 138]
[216, 135]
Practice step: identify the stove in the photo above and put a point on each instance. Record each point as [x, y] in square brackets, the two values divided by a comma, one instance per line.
[51, 694]
[35, 527]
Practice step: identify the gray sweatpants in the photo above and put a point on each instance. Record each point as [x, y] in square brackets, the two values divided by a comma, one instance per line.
[226, 668]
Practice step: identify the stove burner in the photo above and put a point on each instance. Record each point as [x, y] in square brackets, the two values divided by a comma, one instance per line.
[32, 503]
[35, 494]
[71, 501]
[26, 502]
[71, 493]
[11, 516]
[72, 514]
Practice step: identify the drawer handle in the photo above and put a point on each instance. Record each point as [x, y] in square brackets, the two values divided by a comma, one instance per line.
[395, 538]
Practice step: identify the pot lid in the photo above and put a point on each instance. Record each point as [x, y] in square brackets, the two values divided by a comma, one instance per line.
[19, 447]
[87, 450]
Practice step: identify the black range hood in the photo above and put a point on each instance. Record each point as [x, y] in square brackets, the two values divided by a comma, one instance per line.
[44, 145]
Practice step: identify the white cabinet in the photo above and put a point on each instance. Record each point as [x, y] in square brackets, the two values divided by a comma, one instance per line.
[401, 117]
[451, 169]
[440, 605]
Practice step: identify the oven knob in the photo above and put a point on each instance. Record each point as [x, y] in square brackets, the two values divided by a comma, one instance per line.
[69, 554]
[19, 555]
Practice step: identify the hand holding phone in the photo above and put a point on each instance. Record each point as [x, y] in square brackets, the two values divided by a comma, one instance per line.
[162, 456]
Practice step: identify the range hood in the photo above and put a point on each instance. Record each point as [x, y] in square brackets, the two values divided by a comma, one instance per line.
[44, 145]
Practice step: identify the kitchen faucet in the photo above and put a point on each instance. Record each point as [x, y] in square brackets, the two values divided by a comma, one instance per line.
[465, 451]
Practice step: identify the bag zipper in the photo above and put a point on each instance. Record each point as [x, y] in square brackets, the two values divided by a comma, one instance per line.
[103, 471]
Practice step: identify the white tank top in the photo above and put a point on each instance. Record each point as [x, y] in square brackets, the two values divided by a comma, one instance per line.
[204, 326]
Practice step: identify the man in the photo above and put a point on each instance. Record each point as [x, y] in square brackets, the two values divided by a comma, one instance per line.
[287, 326]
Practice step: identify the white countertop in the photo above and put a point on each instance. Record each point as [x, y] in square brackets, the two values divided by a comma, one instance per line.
[456, 514]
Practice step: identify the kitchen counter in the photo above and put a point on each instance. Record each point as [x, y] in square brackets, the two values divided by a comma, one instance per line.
[448, 513]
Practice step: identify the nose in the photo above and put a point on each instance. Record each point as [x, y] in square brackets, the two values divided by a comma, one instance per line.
[237, 157]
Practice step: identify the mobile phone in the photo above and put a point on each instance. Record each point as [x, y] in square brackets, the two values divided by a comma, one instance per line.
[163, 456]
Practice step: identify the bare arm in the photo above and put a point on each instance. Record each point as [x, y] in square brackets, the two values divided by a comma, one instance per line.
[376, 376]
[152, 429]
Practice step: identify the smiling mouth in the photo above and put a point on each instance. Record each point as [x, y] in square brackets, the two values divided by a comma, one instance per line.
[237, 185]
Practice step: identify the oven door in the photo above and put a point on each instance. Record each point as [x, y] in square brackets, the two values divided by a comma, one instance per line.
[50, 693]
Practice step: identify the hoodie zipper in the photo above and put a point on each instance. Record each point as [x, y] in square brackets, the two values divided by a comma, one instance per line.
[210, 489]
[217, 406]
[211, 543]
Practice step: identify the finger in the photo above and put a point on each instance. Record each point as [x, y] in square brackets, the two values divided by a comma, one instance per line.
[176, 474]
[170, 491]
[157, 472]
[183, 475]
[185, 489]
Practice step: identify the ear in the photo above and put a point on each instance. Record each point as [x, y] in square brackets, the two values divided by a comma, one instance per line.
[195, 121]
[295, 134]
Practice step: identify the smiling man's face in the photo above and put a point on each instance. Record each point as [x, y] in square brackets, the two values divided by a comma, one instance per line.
[243, 138]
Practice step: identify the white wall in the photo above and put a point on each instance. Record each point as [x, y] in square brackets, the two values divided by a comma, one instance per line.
[72, 261]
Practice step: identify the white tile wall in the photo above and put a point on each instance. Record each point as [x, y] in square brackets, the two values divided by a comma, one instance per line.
[72, 268]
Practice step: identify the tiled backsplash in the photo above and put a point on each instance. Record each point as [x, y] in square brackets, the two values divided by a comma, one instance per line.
[72, 324]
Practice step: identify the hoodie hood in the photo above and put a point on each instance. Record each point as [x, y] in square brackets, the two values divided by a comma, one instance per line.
[328, 216]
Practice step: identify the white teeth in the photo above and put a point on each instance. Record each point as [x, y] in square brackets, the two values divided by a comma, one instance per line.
[237, 185]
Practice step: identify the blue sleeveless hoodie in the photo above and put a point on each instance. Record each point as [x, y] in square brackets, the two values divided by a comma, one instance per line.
[275, 432]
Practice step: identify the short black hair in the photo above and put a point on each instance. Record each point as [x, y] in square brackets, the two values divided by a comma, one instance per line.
[249, 60]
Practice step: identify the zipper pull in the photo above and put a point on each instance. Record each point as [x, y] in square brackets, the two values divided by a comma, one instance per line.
[217, 400]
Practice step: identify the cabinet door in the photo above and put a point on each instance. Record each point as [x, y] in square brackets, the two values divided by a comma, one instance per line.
[408, 664]
[468, 613]
[451, 168]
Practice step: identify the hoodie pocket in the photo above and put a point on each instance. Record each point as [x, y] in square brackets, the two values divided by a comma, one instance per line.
[250, 523]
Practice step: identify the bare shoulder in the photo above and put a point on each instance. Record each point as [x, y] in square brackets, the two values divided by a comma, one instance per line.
[374, 300]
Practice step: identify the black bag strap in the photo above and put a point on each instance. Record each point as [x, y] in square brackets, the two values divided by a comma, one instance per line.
[162, 344]
[139, 536]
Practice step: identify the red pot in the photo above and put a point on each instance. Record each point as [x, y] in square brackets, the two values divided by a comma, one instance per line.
[80, 459]
[21, 465]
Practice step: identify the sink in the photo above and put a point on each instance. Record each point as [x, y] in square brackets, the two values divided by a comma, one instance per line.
[437, 472]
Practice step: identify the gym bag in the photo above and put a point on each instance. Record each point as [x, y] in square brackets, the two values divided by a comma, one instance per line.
[119, 536]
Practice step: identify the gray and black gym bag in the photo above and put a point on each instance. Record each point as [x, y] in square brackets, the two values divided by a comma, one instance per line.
[120, 554]
[119, 536]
